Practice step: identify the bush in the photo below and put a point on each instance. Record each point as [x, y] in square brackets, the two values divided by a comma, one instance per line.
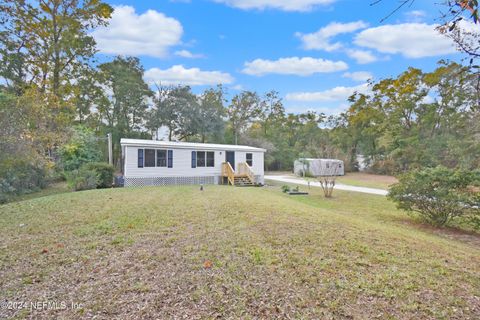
[385, 167]
[82, 148]
[82, 179]
[18, 176]
[474, 215]
[104, 172]
[439, 194]
[285, 188]
[91, 176]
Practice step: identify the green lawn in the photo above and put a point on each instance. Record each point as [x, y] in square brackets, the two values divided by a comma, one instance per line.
[55, 188]
[353, 180]
[369, 180]
[174, 252]
[357, 179]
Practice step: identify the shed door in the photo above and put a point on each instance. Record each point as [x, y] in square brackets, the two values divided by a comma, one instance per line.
[230, 157]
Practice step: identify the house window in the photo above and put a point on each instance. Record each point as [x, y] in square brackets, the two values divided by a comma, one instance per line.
[200, 159]
[161, 158]
[140, 158]
[250, 159]
[149, 158]
[211, 159]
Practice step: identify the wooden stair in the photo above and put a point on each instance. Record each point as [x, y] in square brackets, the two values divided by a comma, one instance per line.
[243, 178]
[243, 181]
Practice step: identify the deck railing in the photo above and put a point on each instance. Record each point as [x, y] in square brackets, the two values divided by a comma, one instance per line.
[245, 170]
[227, 171]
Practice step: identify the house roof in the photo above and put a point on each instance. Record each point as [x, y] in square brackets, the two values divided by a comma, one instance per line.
[187, 145]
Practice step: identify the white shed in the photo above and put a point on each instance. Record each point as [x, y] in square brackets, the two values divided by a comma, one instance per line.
[318, 167]
[151, 162]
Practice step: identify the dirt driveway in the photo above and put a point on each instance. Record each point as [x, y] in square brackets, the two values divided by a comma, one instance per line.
[294, 180]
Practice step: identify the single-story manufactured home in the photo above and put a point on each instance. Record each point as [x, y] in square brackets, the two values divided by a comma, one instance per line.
[151, 162]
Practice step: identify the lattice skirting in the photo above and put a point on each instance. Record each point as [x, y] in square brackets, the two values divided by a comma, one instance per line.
[168, 181]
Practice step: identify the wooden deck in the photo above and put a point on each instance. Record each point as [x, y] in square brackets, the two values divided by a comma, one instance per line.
[242, 177]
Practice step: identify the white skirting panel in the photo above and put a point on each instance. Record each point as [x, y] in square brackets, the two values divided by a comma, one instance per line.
[168, 181]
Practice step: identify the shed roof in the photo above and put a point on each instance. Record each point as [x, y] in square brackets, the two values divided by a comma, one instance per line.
[315, 159]
[187, 145]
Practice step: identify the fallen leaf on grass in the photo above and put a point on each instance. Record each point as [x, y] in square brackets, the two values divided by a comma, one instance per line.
[207, 264]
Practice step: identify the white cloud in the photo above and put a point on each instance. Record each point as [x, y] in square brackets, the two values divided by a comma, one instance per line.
[320, 40]
[468, 26]
[412, 40]
[335, 94]
[238, 87]
[360, 76]
[415, 15]
[293, 66]
[178, 74]
[333, 109]
[188, 54]
[150, 33]
[285, 5]
[362, 56]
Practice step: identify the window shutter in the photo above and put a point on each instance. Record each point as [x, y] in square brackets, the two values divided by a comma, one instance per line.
[194, 159]
[140, 158]
[170, 158]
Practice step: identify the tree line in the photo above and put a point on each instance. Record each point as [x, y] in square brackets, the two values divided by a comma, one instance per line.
[53, 85]
[415, 120]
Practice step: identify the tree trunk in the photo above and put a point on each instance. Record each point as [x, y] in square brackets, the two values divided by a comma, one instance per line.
[56, 58]
[328, 184]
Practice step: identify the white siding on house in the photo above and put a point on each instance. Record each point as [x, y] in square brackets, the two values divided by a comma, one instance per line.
[258, 164]
[182, 162]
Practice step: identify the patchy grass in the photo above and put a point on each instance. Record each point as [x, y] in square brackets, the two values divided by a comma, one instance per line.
[360, 179]
[54, 188]
[232, 252]
[357, 179]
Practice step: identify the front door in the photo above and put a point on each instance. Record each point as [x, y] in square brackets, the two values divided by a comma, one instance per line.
[230, 157]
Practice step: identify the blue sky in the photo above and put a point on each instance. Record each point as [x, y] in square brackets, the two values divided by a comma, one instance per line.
[313, 52]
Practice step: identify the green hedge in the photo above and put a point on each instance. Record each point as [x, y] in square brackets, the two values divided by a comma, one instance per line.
[82, 179]
[104, 172]
[19, 177]
[91, 176]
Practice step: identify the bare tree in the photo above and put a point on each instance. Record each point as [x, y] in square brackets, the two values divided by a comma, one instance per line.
[327, 178]
[466, 38]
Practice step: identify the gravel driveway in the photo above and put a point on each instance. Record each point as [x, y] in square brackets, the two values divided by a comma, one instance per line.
[338, 186]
